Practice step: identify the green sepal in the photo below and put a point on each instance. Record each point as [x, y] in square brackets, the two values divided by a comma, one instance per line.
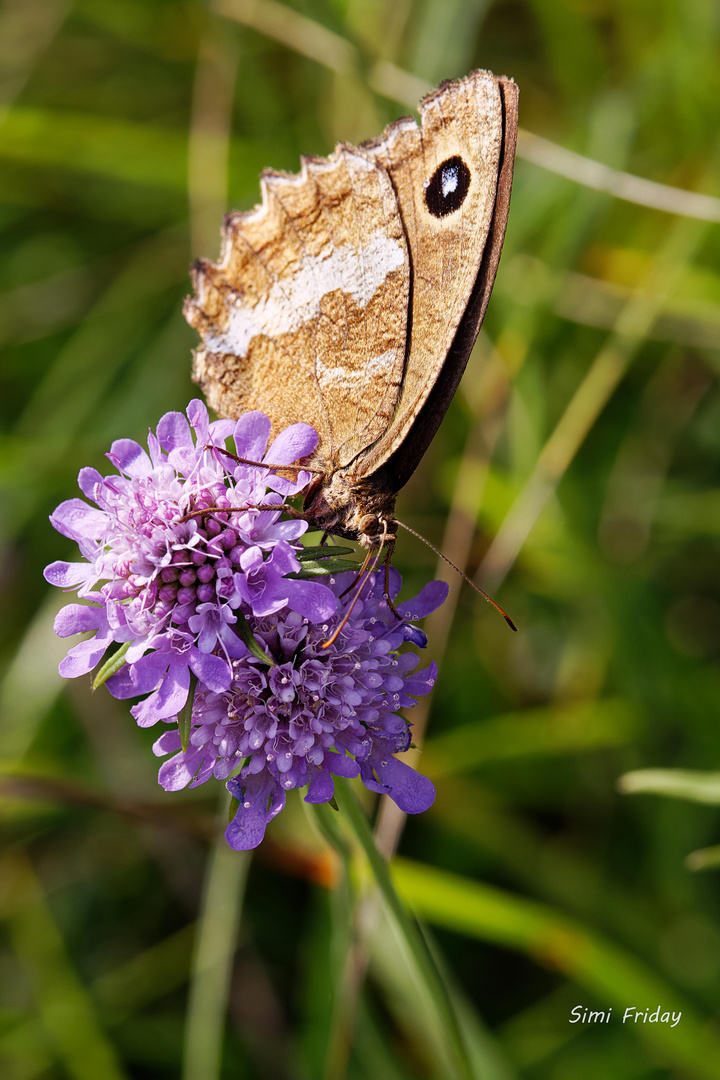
[249, 640]
[312, 569]
[185, 715]
[111, 665]
[233, 808]
[333, 802]
[322, 551]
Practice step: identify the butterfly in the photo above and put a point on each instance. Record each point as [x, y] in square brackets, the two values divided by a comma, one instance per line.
[351, 297]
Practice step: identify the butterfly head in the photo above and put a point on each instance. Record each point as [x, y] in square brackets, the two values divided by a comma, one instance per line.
[355, 511]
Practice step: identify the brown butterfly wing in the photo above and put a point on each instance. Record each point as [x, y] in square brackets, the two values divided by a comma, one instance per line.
[404, 456]
[455, 241]
[305, 315]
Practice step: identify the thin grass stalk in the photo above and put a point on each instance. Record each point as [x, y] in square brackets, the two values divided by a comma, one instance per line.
[309, 38]
[607, 370]
[348, 960]
[489, 405]
[213, 959]
[407, 929]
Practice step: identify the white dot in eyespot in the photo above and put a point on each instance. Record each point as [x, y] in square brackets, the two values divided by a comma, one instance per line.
[449, 180]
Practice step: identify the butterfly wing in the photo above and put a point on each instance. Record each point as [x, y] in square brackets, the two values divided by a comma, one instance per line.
[305, 315]
[452, 179]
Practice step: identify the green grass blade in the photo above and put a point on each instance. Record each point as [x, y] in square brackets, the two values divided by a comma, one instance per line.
[616, 977]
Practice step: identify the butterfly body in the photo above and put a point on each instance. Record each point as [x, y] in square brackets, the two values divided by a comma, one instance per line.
[351, 297]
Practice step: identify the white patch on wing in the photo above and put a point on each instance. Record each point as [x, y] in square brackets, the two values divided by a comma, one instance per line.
[295, 299]
[449, 180]
[353, 381]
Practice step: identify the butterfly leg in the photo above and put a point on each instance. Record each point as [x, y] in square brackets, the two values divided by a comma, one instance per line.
[388, 557]
[361, 571]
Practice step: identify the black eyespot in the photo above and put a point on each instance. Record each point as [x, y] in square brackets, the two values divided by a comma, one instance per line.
[447, 188]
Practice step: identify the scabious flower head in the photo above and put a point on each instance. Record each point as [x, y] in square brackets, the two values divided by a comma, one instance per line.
[182, 570]
[319, 711]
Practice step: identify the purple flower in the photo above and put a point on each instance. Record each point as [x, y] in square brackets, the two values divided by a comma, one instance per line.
[190, 571]
[176, 550]
[319, 712]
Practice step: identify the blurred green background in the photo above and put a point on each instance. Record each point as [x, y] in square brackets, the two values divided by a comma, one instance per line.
[576, 475]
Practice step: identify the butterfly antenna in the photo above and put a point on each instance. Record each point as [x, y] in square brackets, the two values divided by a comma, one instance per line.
[263, 464]
[462, 574]
[231, 510]
[356, 597]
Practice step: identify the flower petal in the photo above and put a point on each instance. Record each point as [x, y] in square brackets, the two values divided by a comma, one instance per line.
[322, 787]
[430, 597]
[211, 670]
[167, 701]
[173, 431]
[78, 619]
[130, 458]
[252, 432]
[78, 521]
[412, 791]
[247, 828]
[83, 657]
[316, 602]
[67, 574]
[294, 443]
[88, 480]
[341, 765]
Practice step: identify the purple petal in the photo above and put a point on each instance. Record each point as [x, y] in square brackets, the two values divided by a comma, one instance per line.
[88, 479]
[148, 670]
[412, 791]
[295, 442]
[220, 431]
[167, 701]
[316, 602]
[197, 414]
[130, 458]
[283, 559]
[211, 670]
[341, 765]
[75, 519]
[155, 451]
[247, 828]
[83, 657]
[415, 636]
[173, 432]
[78, 619]
[66, 575]
[121, 684]
[252, 432]
[430, 597]
[288, 530]
[179, 771]
[168, 743]
[421, 682]
[321, 789]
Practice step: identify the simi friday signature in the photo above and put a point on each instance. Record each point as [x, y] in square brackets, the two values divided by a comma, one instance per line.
[582, 1015]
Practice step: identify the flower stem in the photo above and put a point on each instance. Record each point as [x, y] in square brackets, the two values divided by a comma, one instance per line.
[407, 928]
[348, 957]
[212, 963]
